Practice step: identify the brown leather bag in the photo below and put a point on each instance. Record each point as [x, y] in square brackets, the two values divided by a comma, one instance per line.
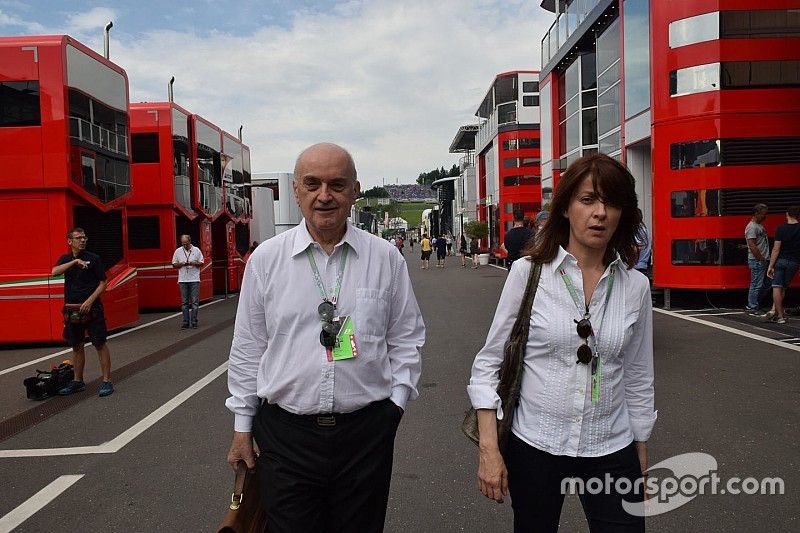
[245, 513]
[511, 369]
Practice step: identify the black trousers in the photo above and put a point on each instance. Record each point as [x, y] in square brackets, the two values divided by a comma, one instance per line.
[535, 482]
[317, 477]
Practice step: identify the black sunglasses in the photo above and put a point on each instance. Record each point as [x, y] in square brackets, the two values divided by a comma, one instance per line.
[584, 328]
[327, 336]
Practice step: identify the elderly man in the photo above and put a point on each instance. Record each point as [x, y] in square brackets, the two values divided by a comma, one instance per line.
[188, 260]
[325, 356]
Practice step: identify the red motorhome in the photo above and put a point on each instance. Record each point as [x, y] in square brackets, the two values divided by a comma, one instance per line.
[64, 137]
[161, 207]
[232, 231]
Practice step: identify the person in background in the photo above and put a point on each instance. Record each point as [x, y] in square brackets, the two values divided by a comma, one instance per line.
[84, 282]
[324, 359]
[783, 263]
[586, 406]
[474, 250]
[644, 247]
[441, 250]
[427, 248]
[250, 251]
[463, 250]
[516, 238]
[757, 259]
[188, 260]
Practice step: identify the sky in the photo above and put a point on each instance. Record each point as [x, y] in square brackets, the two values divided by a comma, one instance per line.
[391, 81]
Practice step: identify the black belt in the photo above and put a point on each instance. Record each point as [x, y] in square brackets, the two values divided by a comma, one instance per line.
[323, 419]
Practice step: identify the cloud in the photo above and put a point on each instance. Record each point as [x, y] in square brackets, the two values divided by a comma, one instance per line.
[93, 19]
[14, 21]
[391, 81]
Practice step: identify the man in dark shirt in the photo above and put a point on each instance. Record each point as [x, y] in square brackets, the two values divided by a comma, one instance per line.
[84, 282]
[784, 262]
[516, 238]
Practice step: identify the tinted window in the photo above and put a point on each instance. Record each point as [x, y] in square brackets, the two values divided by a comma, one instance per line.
[760, 23]
[19, 104]
[530, 86]
[696, 79]
[694, 154]
[700, 252]
[528, 143]
[636, 35]
[145, 147]
[529, 101]
[726, 202]
[143, 233]
[752, 74]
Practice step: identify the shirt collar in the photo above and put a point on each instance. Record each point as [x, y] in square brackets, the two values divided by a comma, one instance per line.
[303, 239]
[564, 257]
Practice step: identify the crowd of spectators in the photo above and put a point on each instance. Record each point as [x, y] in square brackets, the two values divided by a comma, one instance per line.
[408, 193]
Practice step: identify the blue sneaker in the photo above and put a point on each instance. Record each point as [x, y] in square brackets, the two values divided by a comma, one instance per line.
[106, 389]
[72, 387]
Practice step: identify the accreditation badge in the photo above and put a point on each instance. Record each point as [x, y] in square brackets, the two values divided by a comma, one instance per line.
[345, 341]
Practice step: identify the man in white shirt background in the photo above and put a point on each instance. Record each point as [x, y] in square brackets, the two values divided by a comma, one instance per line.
[188, 260]
[325, 356]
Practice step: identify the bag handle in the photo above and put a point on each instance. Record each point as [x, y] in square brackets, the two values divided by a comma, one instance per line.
[238, 485]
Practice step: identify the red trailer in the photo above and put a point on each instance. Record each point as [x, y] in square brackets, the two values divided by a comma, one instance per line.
[161, 208]
[64, 162]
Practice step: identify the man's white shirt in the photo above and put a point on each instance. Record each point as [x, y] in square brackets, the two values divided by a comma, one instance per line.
[188, 273]
[276, 352]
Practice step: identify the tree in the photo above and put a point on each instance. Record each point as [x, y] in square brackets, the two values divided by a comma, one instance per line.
[454, 171]
[375, 192]
[475, 229]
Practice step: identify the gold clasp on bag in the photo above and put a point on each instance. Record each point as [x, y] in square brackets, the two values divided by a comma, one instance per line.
[235, 502]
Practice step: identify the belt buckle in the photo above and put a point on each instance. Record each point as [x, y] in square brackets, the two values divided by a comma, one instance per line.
[326, 420]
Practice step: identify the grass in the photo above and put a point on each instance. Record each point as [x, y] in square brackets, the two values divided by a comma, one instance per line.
[410, 211]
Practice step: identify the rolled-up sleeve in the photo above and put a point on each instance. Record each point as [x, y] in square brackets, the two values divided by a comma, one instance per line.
[248, 346]
[483, 382]
[405, 337]
[638, 373]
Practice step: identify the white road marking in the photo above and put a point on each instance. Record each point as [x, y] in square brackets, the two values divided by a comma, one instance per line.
[718, 314]
[124, 438]
[69, 350]
[774, 342]
[35, 503]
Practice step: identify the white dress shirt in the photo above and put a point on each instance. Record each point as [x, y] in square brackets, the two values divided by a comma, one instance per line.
[555, 412]
[188, 273]
[276, 353]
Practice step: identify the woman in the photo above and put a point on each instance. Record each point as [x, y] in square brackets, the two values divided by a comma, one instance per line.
[586, 404]
[474, 250]
[463, 251]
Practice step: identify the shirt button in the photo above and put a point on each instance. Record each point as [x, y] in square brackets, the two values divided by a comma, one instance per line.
[577, 419]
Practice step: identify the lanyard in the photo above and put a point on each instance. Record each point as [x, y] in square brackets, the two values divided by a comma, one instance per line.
[318, 278]
[576, 298]
[597, 362]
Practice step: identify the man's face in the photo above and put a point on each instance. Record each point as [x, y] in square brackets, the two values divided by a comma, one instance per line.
[325, 189]
[186, 242]
[761, 216]
[77, 241]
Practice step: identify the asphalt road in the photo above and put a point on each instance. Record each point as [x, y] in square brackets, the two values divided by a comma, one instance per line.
[732, 396]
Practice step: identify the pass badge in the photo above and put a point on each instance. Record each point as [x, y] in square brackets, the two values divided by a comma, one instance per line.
[345, 341]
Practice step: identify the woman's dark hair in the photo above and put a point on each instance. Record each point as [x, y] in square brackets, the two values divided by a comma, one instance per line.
[613, 182]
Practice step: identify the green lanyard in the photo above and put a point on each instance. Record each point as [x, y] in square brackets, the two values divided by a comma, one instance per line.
[597, 362]
[318, 278]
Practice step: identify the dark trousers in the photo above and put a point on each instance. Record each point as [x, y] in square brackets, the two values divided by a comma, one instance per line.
[317, 477]
[535, 482]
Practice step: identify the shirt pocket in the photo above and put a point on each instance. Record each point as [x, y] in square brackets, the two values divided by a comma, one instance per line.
[371, 321]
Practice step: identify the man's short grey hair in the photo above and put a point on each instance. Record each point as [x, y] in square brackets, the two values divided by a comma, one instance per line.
[350, 161]
[760, 208]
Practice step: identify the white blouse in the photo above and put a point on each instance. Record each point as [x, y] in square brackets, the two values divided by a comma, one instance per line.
[555, 412]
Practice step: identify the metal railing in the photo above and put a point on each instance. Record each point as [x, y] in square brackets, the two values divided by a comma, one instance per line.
[96, 135]
[565, 25]
[503, 114]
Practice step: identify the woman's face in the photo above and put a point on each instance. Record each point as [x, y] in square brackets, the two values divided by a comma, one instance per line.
[592, 223]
